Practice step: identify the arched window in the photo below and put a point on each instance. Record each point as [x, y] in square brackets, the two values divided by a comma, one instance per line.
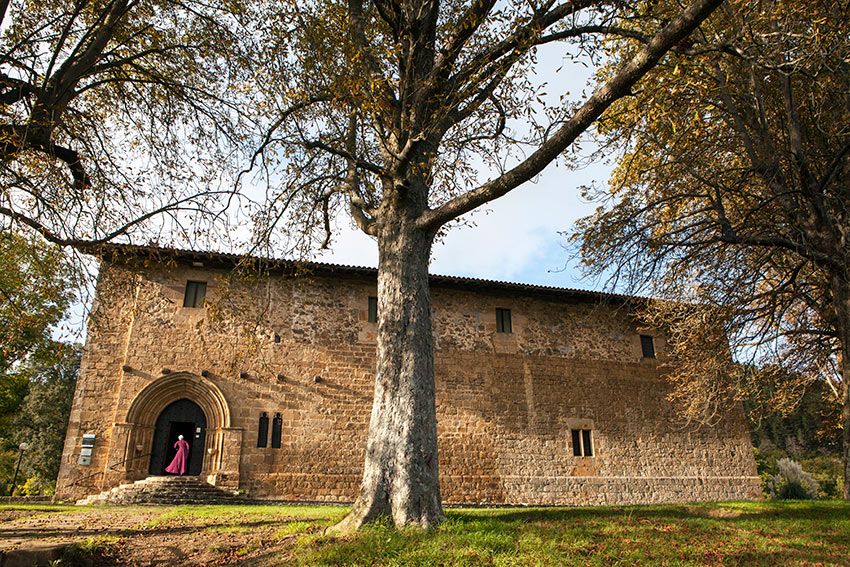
[277, 425]
[263, 431]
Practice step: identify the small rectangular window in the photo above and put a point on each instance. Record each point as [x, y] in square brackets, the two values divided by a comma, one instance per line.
[277, 425]
[503, 321]
[263, 431]
[195, 294]
[647, 345]
[582, 443]
[373, 310]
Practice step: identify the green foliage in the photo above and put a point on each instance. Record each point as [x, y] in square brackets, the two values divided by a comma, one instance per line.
[793, 490]
[13, 390]
[34, 296]
[791, 482]
[766, 459]
[85, 553]
[37, 486]
[828, 471]
[41, 420]
[810, 427]
[35, 292]
[43, 417]
[808, 433]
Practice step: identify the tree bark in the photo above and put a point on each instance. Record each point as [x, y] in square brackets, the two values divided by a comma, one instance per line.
[845, 418]
[841, 297]
[400, 475]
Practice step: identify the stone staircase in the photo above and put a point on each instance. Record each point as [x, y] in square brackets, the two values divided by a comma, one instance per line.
[165, 490]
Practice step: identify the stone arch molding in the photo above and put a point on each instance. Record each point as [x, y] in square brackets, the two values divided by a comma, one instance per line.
[222, 443]
[154, 398]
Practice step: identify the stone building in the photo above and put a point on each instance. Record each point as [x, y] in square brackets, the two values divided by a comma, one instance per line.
[544, 395]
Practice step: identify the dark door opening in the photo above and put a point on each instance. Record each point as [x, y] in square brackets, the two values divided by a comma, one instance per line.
[186, 418]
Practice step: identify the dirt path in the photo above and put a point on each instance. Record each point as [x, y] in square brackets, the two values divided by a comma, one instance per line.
[60, 525]
[161, 535]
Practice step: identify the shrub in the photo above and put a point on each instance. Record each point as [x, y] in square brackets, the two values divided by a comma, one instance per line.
[792, 482]
[828, 471]
[37, 486]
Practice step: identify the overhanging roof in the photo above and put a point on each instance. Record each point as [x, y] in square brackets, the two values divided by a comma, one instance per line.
[122, 253]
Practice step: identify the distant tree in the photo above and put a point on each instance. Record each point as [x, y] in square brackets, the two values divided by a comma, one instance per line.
[35, 292]
[731, 193]
[42, 419]
[388, 108]
[114, 113]
[808, 428]
[34, 296]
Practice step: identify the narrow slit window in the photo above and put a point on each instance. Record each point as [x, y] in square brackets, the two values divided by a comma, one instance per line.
[503, 321]
[576, 442]
[373, 310]
[586, 443]
[263, 431]
[647, 345]
[582, 442]
[195, 294]
[277, 425]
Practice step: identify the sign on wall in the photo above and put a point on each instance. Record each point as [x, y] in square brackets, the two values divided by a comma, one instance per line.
[88, 447]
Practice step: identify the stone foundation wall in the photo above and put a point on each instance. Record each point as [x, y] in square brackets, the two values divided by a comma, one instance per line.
[302, 347]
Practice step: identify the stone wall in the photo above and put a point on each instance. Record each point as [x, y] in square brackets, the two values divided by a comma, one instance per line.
[302, 347]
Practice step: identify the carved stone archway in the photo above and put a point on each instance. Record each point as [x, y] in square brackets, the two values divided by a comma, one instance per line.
[222, 443]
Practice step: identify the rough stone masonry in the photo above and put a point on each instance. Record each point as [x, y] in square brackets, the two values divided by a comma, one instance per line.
[561, 405]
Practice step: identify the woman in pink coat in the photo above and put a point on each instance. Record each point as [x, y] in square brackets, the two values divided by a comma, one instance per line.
[181, 459]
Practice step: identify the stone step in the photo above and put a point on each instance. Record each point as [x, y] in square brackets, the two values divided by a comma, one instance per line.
[164, 490]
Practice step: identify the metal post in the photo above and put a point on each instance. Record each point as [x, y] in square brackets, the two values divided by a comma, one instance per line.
[22, 447]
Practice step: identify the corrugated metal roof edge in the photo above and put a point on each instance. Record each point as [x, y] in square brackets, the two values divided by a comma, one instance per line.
[111, 251]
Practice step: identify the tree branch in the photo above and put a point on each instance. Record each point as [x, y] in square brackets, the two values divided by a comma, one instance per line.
[615, 88]
[356, 203]
[284, 116]
[362, 164]
[581, 30]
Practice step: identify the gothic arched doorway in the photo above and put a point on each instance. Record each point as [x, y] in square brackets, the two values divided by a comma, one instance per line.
[182, 417]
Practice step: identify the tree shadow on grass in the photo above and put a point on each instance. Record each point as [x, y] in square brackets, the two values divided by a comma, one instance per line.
[37, 533]
[791, 510]
[729, 533]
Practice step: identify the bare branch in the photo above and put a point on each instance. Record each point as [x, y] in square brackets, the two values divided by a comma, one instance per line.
[615, 88]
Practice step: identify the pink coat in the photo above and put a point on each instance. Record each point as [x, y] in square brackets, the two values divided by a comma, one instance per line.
[181, 459]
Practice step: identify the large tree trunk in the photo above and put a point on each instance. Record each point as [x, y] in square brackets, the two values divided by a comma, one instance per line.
[845, 400]
[841, 297]
[400, 475]
[845, 418]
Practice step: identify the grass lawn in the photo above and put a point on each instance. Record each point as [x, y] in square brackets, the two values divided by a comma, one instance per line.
[737, 533]
[751, 533]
